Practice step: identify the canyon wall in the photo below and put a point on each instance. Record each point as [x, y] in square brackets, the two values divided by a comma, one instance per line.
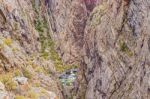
[110, 40]
[116, 46]
[26, 71]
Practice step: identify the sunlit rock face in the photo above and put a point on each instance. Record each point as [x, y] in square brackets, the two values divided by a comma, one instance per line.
[108, 39]
[68, 19]
[112, 36]
[20, 51]
[116, 46]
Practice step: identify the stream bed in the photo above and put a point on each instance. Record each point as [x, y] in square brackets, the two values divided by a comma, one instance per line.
[68, 77]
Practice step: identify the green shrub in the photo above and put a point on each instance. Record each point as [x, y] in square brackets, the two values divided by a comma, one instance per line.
[27, 73]
[125, 48]
[32, 95]
[40, 69]
[8, 41]
[8, 81]
[20, 97]
[17, 72]
[39, 25]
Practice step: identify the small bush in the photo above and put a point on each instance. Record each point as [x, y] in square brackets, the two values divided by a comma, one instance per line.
[8, 41]
[20, 97]
[17, 73]
[40, 69]
[9, 83]
[125, 48]
[39, 26]
[26, 73]
[32, 95]
[37, 84]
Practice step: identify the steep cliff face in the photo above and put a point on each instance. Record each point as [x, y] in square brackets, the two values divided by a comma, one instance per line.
[68, 19]
[116, 46]
[108, 39]
[26, 71]
[114, 35]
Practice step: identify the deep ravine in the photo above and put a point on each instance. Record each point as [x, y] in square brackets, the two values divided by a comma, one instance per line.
[74, 49]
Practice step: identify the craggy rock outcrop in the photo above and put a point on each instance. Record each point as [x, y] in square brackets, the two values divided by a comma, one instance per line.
[109, 39]
[21, 26]
[114, 35]
[116, 45]
[68, 20]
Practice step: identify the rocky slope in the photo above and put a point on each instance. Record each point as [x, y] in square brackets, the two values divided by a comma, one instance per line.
[108, 39]
[26, 71]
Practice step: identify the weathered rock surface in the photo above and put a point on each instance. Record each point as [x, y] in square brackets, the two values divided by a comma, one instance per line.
[114, 35]
[116, 46]
[21, 58]
[109, 39]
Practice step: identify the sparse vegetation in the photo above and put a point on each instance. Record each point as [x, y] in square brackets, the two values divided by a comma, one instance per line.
[96, 15]
[37, 84]
[27, 73]
[8, 41]
[7, 80]
[40, 69]
[48, 47]
[20, 97]
[125, 48]
[32, 95]
[39, 25]
[17, 72]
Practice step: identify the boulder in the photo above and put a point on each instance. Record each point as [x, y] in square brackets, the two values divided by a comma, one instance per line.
[21, 80]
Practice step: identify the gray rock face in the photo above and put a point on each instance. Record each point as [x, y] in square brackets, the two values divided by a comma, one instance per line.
[116, 59]
[21, 80]
[68, 20]
[114, 36]
[21, 26]
[110, 39]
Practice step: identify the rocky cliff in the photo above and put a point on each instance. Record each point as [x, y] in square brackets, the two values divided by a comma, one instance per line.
[26, 70]
[116, 45]
[108, 40]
